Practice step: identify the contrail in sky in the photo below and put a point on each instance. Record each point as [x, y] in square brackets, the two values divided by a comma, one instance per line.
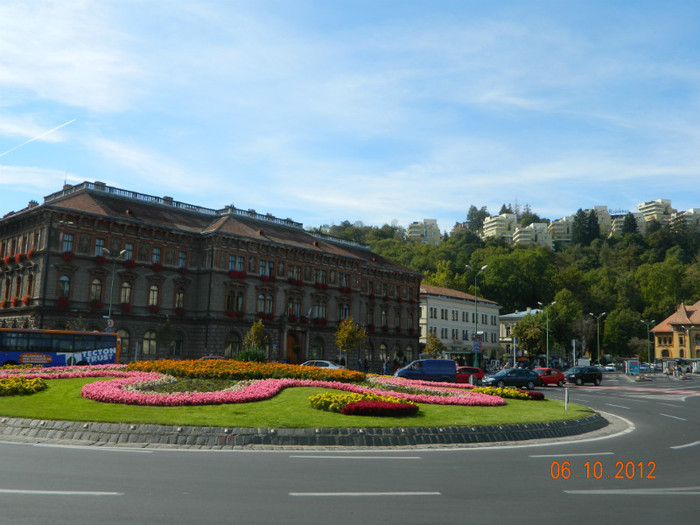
[37, 137]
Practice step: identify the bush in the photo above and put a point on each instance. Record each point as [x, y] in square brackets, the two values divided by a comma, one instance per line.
[253, 355]
[506, 392]
[240, 370]
[21, 386]
[335, 402]
[537, 396]
[380, 409]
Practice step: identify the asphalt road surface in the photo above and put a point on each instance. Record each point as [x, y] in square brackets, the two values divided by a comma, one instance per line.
[647, 472]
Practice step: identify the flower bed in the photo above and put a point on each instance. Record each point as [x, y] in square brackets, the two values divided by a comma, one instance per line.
[379, 409]
[21, 386]
[334, 402]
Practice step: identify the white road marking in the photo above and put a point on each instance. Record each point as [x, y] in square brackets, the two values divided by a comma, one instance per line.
[362, 494]
[686, 445]
[356, 457]
[617, 406]
[59, 492]
[674, 417]
[572, 455]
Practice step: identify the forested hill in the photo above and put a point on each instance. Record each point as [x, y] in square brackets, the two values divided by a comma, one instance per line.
[633, 279]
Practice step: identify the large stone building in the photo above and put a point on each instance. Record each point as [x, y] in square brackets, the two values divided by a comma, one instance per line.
[92, 251]
[678, 336]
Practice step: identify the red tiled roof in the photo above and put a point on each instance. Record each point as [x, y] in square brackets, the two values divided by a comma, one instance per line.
[684, 316]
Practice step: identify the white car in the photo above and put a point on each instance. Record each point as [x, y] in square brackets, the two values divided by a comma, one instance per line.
[323, 364]
[610, 368]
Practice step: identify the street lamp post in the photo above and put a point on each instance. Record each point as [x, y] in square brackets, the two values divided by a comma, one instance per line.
[648, 325]
[111, 288]
[597, 326]
[546, 311]
[476, 312]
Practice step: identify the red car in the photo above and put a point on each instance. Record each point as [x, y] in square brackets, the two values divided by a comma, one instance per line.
[550, 376]
[465, 373]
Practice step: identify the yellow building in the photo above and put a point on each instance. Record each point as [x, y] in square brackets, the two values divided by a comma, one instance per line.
[678, 336]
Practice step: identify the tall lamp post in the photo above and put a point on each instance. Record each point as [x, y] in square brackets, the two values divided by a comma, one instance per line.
[546, 311]
[597, 326]
[110, 323]
[648, 325]
[476, 313]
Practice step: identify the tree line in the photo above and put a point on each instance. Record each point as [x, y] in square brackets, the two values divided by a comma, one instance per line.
[632, 279]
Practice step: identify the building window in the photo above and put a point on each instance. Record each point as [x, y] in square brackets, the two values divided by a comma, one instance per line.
[155, 255]
[179, 298]
[125, 293]
[67, 244]
[316, 349]
[64, 286]
[30, 285]
[129, 252]
[153, 293]
[149, 343]
[268, 304]
[96, 290]
[233, 345]
[261, 303]
[99, 247]
[181, 259]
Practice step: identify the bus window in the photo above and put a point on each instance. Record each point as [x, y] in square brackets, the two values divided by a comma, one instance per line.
[39, 342]
[84, 343]
[16, 341]
[62, 342]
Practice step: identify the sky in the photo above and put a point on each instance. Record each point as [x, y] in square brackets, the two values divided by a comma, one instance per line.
[367, 110]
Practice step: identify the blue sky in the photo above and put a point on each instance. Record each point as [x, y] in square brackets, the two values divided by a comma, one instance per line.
[381, 110]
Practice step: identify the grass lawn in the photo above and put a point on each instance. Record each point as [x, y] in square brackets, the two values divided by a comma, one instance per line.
[289, 409]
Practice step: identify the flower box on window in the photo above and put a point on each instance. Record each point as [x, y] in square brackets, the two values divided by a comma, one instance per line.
[18, 257]
[96, 305]
[345, 289]
[179, 312]
[157, 267]
[372, 297]
[63, 302]
[269, 317]
[183, 270]
[130, 263]
[15, 301]
[293, 318]
[230, 313]
[240, 314]
[154, 308]
[386, 298]
[304, 319]
[100, 259]
[235, 274]
[399, 300]
[385, 328]
[68, 256]
[30, 254]
[267, 278]
[126, 307]
[3, 304]
[322, 321]
[26, 300]
[7, 259]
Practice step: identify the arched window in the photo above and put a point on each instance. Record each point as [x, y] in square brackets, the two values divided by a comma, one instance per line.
[240, 304]
[409, 353]
[175, 349]
[384, 320]
[96, 290]
[18, 286]
[370, 315]
[64, 286]
[125, 293]
[268, 304]
[149, 343]
[664, 353]
[261, 303]
[7, 289]
[233, 345]
[153, 295]
[230, 301]
[382, 352]
[30, 285]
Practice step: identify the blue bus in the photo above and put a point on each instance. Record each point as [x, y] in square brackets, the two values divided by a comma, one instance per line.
[20, 346]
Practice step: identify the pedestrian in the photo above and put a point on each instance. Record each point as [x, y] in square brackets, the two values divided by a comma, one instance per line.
[387, 367]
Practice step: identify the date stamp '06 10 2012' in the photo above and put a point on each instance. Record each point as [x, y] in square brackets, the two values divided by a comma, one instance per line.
[596, 470]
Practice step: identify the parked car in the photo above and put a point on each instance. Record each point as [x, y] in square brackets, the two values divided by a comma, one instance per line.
[550, 376]
[430, 370]
[610, 367]
[584, 374]
[323, 364]
[520, 377]
[469, 374]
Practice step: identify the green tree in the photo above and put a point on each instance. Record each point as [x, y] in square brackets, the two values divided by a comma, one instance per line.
[476, 217]
[350, 336]
[530, 332]
[620, 326]
[166, 335]
[629, 224]
[434, 347]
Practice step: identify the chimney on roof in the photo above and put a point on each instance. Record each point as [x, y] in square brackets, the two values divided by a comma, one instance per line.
[32, 204]
[168, 201]
[100, 186]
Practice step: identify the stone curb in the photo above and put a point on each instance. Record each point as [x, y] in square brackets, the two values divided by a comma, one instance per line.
[238, 438]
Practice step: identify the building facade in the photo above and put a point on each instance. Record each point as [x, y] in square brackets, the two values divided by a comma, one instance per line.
[678, 336]
[535, 234]
[455, 317]
[425, 231]
[92, 251]
[501, 226]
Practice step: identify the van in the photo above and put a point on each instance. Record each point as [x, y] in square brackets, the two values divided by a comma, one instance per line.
[430, 370]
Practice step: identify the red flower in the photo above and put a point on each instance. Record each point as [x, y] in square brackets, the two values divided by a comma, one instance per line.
[240, 314]
[293, 318]
[130, 263]
[235, 274]
[63, 302]
[3, 303]
[304, 319]
[154, 308]
[7, 259]
[68, 256]
[96, 305]
[126, 307]
[230, 313]
[30, 254]
[179, 312]
[15, 301]
[100, 259]
[157, 267]
[18, 257]
[26, 300]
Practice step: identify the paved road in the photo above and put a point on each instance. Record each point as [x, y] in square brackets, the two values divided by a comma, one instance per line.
[655, 459]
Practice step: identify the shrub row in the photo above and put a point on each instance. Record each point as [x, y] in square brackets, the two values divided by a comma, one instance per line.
[335, 402]
[380, 409]
[239, 370]
[21, 386]
[508, 392]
